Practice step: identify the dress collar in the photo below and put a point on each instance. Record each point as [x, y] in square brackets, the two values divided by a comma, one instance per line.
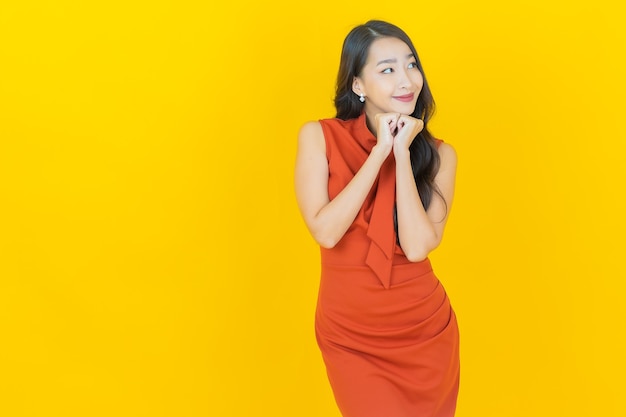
[363, 134]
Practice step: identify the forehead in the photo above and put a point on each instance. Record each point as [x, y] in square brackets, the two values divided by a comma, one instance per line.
[387, 48]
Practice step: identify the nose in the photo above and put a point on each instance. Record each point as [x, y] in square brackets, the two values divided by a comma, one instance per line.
[404, 81]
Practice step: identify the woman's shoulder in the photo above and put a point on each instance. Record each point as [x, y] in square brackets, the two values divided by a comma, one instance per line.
[311, 136]
[447, 153]
[312, 127]
[318, 128]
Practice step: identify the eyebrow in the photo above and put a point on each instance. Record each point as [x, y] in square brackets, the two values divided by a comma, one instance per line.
[393, 60]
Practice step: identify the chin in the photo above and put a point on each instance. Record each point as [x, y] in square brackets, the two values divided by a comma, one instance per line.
[405, 110]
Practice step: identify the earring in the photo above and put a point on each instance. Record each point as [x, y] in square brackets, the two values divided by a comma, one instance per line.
[362, 98]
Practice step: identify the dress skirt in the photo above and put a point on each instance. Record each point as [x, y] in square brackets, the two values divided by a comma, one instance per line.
[389, 352]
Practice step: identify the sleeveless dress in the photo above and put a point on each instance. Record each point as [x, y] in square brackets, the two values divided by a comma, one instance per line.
[384, 325]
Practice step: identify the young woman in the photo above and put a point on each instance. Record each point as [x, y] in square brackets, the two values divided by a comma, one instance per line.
[375, 190]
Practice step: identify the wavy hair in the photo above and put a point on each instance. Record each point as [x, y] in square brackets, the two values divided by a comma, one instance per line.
[423, 150]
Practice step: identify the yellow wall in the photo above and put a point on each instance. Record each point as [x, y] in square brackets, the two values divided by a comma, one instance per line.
[152, 259]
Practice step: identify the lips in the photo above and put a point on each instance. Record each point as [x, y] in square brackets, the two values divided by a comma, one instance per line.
[405, 98]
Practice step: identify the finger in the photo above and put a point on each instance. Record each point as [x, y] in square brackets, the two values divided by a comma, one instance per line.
[388, 116]
[419, 125]
[393, 124]
[381, 119]
[407, 119]
[414, 124]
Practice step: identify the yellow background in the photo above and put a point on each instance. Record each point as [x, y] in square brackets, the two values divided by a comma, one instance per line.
[152, 259]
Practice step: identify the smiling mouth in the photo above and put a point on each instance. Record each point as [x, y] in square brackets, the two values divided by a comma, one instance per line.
[405, 98]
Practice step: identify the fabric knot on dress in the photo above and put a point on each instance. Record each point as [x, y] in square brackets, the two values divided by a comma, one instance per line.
[381, 229]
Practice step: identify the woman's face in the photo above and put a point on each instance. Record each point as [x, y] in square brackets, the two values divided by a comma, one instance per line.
[390, 79]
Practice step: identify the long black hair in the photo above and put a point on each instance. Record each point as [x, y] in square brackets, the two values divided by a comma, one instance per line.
[423, 149]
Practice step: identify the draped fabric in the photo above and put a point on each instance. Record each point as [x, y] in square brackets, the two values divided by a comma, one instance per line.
[385, 327]
[380, 230]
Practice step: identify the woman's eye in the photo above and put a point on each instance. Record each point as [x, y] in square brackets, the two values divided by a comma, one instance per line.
[387, 71]
[413, 65]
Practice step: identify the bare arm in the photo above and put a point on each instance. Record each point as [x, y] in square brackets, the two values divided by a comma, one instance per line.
[420, 231]
[329, 220]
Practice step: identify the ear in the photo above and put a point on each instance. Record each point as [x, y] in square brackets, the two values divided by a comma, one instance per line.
[356, 86]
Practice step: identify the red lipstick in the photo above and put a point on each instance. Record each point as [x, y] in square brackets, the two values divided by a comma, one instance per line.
[405, 98]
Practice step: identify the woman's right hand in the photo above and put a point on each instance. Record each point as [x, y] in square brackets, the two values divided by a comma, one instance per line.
[386, 129]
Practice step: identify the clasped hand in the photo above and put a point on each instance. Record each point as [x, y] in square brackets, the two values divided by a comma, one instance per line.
[396, 131]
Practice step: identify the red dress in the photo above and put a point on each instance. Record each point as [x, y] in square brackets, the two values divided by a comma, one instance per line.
[384, 325]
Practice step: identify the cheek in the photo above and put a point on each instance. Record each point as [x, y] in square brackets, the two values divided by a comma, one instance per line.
[420, 83]
[419, 80]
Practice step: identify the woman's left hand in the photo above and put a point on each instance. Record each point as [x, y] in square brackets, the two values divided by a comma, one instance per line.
[407, 128]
